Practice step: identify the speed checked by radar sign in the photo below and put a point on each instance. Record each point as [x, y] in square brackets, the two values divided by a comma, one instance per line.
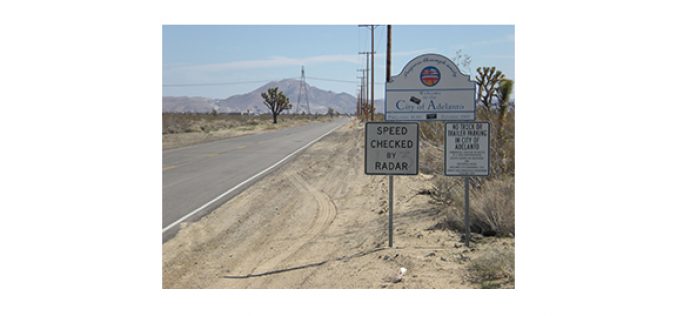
[391, 148]
[466, 148]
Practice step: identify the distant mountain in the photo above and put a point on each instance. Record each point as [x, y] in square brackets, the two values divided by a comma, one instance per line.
[187, 104]
[318, 99]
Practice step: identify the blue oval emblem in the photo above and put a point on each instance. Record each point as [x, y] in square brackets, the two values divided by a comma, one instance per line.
[430, 76]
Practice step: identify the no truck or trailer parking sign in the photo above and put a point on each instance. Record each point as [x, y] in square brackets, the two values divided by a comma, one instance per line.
[466, 148]
[391, 148]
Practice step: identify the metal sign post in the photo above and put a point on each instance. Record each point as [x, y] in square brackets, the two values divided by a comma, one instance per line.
[390, 211]
[467, 213]
[430, 88]
[391, 149]
[390, 178]
[466, 153]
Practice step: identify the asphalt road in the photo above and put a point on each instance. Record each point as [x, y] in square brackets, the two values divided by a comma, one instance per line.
[198, 178]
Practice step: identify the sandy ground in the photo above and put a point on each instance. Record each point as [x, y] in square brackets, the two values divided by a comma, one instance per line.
[184, 139]
[319, 222]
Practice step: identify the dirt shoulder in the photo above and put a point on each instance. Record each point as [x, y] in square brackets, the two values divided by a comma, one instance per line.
[319, 222]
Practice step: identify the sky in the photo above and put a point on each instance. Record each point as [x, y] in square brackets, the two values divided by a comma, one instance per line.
[218, 61]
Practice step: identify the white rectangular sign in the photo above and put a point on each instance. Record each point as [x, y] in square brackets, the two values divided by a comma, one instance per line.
[391, 148]
[466, 148]
[430, 87]
[425, 105]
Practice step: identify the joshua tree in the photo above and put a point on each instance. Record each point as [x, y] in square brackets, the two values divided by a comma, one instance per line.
[276, 102]
[488, 80]
[494, 92]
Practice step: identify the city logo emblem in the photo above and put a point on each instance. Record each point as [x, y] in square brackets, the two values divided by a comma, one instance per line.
[430, 76]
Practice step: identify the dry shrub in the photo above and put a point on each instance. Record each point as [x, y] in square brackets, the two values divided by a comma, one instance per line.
[494, 268]
[492, 205]
[174, 123]
[432, 147]
[502, 140]
[492, 198]
[432, 133]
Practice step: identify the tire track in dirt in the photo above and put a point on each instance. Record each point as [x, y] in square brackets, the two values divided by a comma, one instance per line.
[324, 217]
[223, 241]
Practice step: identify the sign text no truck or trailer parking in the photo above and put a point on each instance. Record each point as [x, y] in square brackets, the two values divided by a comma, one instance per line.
[466, 148]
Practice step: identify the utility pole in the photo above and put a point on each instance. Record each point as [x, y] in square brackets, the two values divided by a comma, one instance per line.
[389, 51]
[366, 76]
[373, 107]
[372, 27]
[365, 98]
[390, 177]
[360, 103]
[364, 95]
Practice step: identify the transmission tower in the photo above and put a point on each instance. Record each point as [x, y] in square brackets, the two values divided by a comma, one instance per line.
[303, 92]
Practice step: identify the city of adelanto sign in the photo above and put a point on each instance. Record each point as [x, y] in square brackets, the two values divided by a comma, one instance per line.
[429, 88]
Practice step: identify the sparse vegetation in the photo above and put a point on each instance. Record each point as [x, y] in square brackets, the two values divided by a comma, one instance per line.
[175, 123]
[495, 268]
[492, 206]
[491, 209]
[181, 129]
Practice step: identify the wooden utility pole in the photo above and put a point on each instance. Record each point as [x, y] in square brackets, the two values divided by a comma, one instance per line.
[372, 107]
[388, 53]
[390, 177]
[361, 97]
[366, 76]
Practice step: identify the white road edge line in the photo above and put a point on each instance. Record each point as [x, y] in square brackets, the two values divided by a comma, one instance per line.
[246, 181]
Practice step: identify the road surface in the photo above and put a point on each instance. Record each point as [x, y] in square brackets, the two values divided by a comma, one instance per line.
[198, 178]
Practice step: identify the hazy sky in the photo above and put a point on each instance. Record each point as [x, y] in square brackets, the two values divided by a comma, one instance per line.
[220, 61]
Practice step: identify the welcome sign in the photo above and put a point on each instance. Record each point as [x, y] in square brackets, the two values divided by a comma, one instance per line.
[430, 87]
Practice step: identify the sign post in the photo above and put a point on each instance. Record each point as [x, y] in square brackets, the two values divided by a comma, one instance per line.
[466, 153]
[390, 211]
[466, 219]
[391, 149]
[429, 88]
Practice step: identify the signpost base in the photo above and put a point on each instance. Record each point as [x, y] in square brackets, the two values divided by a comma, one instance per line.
[467, 214]
[390, 211]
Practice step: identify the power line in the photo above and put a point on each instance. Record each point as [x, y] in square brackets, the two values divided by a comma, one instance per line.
[333, 80]
[246, 82]
[210, 84]
[205, 84]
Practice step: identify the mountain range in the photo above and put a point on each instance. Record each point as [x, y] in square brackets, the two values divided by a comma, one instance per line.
[319, 101]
